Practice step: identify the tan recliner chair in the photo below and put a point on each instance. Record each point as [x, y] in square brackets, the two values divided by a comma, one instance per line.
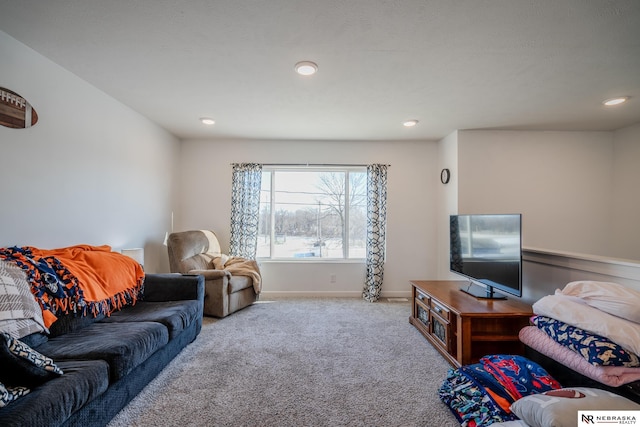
[193, 252]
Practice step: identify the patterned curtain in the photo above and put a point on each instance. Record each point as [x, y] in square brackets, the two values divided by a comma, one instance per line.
[376, 230]
[245, 208]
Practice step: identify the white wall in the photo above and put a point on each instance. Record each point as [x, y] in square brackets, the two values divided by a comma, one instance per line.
[90, 171]
[560, 181]
[626, 194]
[205, 196]
[448, 201]
[577, 192]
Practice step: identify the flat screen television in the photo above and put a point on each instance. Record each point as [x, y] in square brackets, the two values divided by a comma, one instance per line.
[487, 250]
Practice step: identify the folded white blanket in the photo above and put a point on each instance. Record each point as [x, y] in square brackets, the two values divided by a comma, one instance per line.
[575, 312]
[612, 298]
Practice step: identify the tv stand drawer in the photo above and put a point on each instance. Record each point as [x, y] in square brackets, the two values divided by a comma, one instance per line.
[442, 311]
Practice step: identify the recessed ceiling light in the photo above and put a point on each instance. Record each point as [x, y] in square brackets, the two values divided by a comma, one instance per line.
[410, 123]
[615, 101]
[306, 68]
[207, 121]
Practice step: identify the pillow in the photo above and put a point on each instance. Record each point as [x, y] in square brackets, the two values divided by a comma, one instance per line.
[9, 394]
[611, 298]
[20, 314]
[559, 408]
[22, 365]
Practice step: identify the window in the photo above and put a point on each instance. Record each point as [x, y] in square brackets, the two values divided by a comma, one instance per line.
[313, 213]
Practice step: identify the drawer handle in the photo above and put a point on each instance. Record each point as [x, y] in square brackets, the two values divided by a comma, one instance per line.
[438, 309]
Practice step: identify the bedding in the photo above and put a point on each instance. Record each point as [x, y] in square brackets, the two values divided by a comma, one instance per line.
[482, 393]
[573, 311]
[514, 423]
[81, 279]
[612, 298]
[596, 349]
[613, 376]
[469, 402]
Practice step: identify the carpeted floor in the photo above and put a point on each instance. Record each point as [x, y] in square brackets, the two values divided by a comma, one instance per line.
[300, 362]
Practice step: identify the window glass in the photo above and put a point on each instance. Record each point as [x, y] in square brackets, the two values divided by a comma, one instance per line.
[312, 213]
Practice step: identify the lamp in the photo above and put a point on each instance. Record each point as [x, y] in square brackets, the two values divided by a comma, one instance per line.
[135, 253]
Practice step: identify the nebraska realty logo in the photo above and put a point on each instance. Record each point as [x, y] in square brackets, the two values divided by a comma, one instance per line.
[610, 418]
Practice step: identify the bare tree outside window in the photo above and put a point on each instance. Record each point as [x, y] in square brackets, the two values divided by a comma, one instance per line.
[313, 213]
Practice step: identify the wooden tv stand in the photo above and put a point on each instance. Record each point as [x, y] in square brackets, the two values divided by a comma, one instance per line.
[464, 328]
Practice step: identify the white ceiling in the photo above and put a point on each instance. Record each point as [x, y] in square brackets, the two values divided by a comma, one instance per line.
[451, 64]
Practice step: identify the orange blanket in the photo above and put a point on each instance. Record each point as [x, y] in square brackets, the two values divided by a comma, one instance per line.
[105, 280]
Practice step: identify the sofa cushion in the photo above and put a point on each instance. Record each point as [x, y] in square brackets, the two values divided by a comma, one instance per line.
[35, 339]
[71, 322]
[175, 315]
[123, 345]
[22, 365]
[52, 403]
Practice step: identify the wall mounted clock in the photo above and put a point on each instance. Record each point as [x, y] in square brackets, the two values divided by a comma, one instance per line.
[445, 176]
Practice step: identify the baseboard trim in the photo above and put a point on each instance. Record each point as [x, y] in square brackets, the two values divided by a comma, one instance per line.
[329, 294]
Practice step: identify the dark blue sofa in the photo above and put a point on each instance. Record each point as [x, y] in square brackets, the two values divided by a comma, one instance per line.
[108, 361]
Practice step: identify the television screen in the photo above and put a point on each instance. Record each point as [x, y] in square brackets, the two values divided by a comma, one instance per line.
[487, 249]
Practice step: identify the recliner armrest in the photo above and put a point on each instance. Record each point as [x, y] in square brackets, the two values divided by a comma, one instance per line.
[211, 274]
[173, 287]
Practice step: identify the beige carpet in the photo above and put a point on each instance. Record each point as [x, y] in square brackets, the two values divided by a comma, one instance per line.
[300, 362]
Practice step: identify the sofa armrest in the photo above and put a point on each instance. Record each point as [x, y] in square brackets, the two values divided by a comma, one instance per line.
[173, 287]
[212, 274]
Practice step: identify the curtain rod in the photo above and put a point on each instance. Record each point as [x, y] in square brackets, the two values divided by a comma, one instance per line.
[315, 164]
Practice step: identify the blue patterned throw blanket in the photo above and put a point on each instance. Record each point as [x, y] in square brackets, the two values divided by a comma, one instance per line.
[481, 394]
[81, 279]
